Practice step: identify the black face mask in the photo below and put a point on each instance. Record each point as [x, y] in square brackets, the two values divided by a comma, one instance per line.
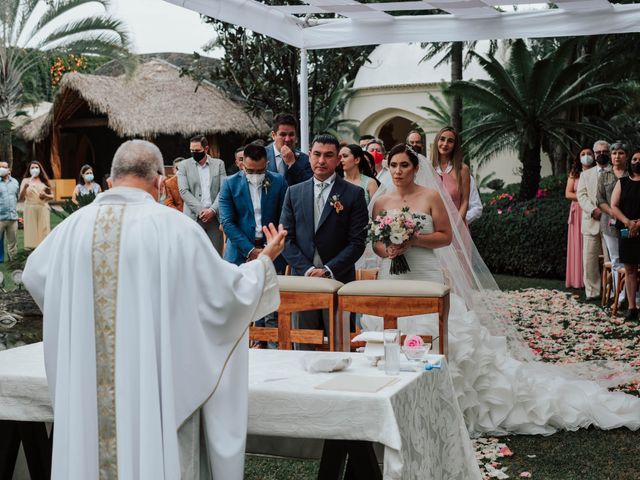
[635, 167]
[603, 159]
[197, 156]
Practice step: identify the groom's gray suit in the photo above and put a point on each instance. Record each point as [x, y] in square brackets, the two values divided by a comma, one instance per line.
[191, 192]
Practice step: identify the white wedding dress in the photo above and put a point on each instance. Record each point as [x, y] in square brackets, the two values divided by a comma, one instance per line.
[497, 393]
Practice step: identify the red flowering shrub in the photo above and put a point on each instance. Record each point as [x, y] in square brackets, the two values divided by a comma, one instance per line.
[526, 238]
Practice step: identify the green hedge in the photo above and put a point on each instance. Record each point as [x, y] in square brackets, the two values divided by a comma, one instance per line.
[525, 238]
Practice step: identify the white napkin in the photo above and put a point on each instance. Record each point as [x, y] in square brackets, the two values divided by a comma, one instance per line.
[369, 336]
[314, 363]
[374, 348]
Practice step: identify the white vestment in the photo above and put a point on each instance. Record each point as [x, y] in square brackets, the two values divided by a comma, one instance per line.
[180, 317]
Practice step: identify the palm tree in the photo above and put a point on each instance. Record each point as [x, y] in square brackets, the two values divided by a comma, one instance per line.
[327, 116]
[453, 54]
[32, 30]
[524, 105]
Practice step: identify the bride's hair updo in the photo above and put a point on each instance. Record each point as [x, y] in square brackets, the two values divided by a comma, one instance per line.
[402, 148]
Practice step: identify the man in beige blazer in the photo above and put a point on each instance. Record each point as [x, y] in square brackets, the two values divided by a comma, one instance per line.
[591, 235]
[199, 181]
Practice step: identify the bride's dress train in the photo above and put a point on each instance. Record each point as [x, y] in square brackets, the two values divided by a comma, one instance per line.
[497, 393]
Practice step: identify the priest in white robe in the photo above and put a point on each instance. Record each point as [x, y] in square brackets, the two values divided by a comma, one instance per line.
[145, 334]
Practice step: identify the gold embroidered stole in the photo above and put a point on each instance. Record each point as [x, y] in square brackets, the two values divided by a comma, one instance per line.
[105, 258]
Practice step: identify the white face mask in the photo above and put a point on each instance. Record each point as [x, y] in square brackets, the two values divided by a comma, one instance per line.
[586, 160]
[4, 171]
[88, 177]
[255, 178]
[35, 172]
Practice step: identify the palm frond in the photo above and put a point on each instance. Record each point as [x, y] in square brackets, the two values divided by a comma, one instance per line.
[57, 9]
[105, 28]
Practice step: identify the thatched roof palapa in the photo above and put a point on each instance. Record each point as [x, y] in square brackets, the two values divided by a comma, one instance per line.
[154, 101]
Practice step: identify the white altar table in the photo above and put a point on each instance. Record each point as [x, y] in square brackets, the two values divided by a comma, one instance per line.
[416, 419]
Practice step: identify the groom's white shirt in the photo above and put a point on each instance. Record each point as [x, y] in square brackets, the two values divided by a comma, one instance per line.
[181, 319]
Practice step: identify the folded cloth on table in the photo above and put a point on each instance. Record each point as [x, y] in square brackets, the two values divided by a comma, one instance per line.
[369, 336]
[315, 363]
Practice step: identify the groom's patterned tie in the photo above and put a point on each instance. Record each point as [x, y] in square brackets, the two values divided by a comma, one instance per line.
[319, 203]
[318, 206]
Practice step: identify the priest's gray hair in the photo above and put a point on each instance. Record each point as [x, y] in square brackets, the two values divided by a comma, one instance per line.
[137, 158]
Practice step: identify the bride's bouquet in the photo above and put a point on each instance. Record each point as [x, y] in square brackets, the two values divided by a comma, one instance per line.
[394, 229]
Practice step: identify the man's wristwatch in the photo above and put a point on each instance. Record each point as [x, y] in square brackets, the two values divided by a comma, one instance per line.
[326, 274]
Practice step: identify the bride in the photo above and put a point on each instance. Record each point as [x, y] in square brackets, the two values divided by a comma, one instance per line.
[499, 387]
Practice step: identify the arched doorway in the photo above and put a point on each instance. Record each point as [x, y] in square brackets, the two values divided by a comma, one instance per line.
[395, 131]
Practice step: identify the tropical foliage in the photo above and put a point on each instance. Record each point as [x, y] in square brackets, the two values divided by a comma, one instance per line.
[33, 31]
[327, 119]
[513, 233]
[263, 73]
[524, 104]
[453, 53]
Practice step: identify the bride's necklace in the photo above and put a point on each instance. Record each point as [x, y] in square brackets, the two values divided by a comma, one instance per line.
[403, 198]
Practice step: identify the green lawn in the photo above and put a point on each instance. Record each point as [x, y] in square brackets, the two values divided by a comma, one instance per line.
[4, 268]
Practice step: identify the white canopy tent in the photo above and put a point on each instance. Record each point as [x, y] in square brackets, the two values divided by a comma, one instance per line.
[360, 23]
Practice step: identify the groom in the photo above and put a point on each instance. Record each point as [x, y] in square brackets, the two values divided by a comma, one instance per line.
[326, 219]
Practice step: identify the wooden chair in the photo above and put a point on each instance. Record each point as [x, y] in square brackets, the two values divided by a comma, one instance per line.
[607, 283]
[391, 299]
[301, 294]
[367, 273]
[620, 284]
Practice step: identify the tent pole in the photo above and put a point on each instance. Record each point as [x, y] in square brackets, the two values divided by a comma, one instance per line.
[304, 102]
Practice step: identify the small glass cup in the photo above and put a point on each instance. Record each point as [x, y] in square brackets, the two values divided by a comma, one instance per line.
[391, 351]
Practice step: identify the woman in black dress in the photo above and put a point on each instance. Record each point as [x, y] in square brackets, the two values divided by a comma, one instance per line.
[625, 204]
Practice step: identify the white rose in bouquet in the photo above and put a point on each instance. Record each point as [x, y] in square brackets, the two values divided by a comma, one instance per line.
[396, 238]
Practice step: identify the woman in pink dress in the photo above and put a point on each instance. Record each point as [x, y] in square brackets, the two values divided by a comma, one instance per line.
[446, 155]
[582, 162]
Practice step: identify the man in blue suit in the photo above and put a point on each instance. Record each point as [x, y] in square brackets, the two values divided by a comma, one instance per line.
[326, 219]
[282, 156]
[249, 199]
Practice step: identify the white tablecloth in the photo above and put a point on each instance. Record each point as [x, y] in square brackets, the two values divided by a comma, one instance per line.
[416, 419]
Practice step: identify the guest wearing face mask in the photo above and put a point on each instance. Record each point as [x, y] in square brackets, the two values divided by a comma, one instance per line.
[376, 148]
[584, 161]
[606, 181]
[86, 185]
[587, 194]
[249, 199]
[35, 191]
[9, 190]
[199, 180]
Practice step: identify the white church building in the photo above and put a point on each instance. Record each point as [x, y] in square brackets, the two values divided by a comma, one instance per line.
[390, 89]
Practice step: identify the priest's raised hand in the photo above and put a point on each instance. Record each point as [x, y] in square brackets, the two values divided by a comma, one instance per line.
[275, 240]
[145, 330]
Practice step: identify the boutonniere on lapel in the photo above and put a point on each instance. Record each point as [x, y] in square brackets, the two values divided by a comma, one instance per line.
[266, 183]
[335, 203]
